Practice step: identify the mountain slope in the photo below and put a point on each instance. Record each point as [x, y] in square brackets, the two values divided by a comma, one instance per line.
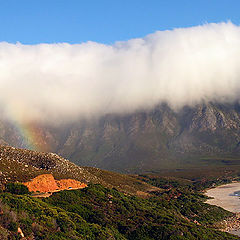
[22, 165]
[207, 134]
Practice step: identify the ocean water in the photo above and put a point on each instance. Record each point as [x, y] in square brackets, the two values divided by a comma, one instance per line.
[236, 193]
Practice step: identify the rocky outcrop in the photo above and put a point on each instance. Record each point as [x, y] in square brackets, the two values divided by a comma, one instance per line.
[69, 184]
[47, 183]
[42, 183]
[19, 230]
[231, 224]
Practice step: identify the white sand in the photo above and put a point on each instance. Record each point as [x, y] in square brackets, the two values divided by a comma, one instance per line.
[223, 197]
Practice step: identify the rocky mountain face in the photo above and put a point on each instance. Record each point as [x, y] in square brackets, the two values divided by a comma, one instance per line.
[162, 138]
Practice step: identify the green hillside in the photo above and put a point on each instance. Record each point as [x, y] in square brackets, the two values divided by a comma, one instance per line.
[96, 212]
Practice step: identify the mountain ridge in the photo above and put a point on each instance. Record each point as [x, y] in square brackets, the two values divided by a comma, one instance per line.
[151, 140]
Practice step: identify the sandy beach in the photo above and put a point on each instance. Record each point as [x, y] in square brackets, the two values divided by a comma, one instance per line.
[224, 197]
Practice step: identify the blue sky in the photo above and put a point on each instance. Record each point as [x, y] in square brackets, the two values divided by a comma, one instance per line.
[105, 21]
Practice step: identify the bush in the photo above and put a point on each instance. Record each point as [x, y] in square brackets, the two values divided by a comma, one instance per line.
[13, 226]
[16, 188]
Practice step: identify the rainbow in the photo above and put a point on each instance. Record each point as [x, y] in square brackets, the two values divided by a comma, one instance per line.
[32, 136]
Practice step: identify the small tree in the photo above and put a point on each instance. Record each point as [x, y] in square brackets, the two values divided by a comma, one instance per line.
[17, 188]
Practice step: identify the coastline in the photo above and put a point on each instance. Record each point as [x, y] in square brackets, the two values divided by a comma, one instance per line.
[224, 197]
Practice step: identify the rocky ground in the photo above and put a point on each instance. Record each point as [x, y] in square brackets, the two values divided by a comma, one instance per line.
[23, 165]
[46, 183]
[231, 224]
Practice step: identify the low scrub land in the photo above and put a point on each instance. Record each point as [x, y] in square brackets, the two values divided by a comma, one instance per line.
[177, 211]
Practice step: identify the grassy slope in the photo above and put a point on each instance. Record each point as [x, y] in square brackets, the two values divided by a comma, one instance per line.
[22, 165]
[100, 213]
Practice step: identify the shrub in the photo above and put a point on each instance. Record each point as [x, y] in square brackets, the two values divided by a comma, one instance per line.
[13, 226]
[16, 188]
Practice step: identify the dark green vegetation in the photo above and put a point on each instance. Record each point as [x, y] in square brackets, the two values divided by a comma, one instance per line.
[16, 188]
[177, 212]
[43, 221]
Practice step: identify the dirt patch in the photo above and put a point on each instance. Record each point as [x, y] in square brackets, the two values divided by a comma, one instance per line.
[46, 183]
[69, 184]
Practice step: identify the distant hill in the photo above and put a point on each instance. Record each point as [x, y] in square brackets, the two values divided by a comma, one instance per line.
[145, 141]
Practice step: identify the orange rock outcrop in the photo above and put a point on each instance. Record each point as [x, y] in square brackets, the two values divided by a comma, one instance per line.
[46, 183]
[69, 183]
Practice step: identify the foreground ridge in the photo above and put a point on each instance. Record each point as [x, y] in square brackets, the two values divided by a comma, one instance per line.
[22, 165]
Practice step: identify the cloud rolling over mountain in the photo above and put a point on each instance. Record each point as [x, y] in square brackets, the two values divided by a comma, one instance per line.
[181, 67]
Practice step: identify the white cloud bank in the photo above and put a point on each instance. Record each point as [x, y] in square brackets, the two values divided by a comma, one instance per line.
[181, 67]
